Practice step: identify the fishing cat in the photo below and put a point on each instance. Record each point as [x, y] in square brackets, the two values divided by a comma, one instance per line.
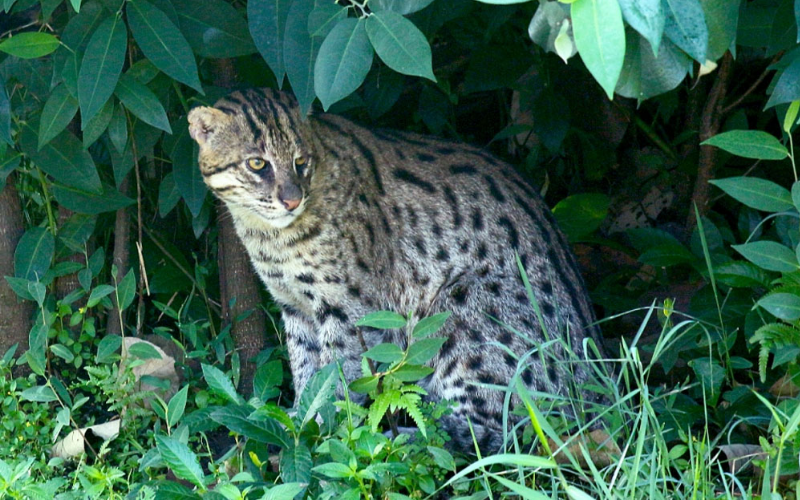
[340, 221]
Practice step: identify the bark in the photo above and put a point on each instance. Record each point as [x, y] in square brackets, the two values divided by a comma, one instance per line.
[710, 122]
[121, 258]
[15, 314]
[236, 276]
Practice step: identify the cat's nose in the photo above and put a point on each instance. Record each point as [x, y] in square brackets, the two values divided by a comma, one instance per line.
[290, 195]
[291, 204]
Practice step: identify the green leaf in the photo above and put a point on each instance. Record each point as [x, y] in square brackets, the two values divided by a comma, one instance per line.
[264, 430]
[286, 490]
[741, 274]
[162, 43]
[324, 17]
[769, 255]
[144, 351]
[214, 28]
[8, 165]
[97, 125]
[58, 111]
[299, 53]
[295, 464]
[580, 214]
[318, 392]
[98, 293]
[412, 373]
[334, 470]
[101, 66]
[187, 173]
[646, 17]
[722, 18]
[39, 394]
[176, 406]
[786, 88]
[785, 306]
[180, 459]
[63, 158]
[34, 253]
[142, 102]
[365, 385]
[400, 44]
[422, 351]
[62, 352]
[343, 62]
[430, 325]
[107, 349]
[127, 290]
[442, 458]
[267, 377]
[118, 128]
[666, 255]
[385, 353]
[37, 343]
[754, 144]
[275, 412]
[645, 75]
[600, 39]
[168, 490]
[5, 115]
[77, 200]
[220, 383]
[267, 22]
[29, 45]
[168, 195]
[402, 7]
[382, 320]
[686, 26]
[760, 194]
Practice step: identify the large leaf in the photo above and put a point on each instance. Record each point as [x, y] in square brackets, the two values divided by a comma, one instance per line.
[267, 22]
[722, 17]
[580, 214]
[383, 320]
[5, 114]
[162, 43]
[180, 459]
[8, 165]
[646, 17]
[186, 170]
[686, 27]
[34, 253]
[785, 306]
[644, 75]
[400, 44]
[430, 325]
[214, 28]
[220, 383]
[600, 39]
[85, 202]
[58, 111]
[324, 17]
[786, 89]
[295, 463]
[318, 392]
[97, 125]
[403, 7]
[101, 66]
[343, 62]
[769, 255]
[423, 350]
[142, 102]
[755, 144]
[63, 158]
[299, 53]
[384, 353]
[760, 194]
[29, 45]
[263, 430]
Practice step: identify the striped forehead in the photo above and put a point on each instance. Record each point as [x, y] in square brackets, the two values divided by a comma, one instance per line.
[269, 121]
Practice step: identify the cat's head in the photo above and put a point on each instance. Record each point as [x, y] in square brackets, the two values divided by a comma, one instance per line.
[256, 153]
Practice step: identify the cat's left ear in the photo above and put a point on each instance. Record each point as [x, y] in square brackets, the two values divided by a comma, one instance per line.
[204, 121]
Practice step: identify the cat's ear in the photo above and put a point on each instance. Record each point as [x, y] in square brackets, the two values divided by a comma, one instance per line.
[204, 121]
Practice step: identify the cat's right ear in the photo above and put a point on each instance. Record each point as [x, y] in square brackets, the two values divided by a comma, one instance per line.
[204, 121]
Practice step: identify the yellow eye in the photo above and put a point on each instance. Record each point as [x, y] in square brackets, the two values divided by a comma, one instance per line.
[300, 160]
[256, 163]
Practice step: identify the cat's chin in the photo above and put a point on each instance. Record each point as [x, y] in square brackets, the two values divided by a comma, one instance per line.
[286, 219]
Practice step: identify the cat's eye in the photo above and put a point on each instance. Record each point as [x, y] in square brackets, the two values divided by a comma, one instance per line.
[300, 164]
[256, 163]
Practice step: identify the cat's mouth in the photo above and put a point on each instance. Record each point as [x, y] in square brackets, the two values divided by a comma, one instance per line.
[285, 217]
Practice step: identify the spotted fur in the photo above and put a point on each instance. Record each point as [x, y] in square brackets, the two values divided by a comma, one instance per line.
[402, 222]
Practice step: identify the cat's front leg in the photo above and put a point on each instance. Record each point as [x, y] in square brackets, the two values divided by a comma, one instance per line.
[304, 348]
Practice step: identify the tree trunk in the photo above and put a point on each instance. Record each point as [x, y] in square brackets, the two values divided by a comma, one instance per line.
[236, 277]
[15, 318]
[66, 284]
[121, 258]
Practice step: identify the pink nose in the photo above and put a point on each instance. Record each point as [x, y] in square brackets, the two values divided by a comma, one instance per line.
[291, 204]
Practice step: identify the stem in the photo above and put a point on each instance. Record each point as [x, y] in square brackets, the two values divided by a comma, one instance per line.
[653, 136]
[791, 156]
[50, 217]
